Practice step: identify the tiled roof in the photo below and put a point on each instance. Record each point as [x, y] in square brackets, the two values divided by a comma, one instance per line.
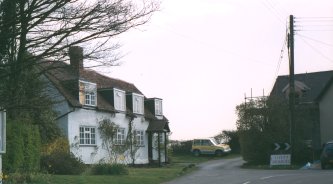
[104, 82]
[316, 81]
[63, 76]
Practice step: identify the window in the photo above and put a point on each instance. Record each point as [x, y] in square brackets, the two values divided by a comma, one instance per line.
[138, 104]
[120, 136]
[158, 107]
[90, 98]
[206, 143]
[161, 136]
[87, 135]
[139, 137]
[197, 142]
[119, 100]
[88, 93]
[157, 136]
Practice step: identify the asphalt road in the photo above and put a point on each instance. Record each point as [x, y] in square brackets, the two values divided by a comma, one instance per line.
[228, 171]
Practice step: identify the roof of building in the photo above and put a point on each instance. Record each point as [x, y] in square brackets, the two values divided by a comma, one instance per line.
[312, 83]
[158, 126]
[63, 76]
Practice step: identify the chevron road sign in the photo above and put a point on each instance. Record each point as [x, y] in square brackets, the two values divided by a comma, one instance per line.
[281, 146]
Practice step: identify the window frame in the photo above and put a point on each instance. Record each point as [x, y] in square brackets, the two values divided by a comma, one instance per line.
[158, 107]
[121, 104]
[87, 136]
[91, 101]
[89, 91]
[139, 138]
[120, 136]
[138, 105]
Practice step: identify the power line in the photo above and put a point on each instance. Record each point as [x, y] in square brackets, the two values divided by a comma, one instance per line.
[281, 10]
[273, 10]
[314, 18]
[319, 24]
[316, 30]
[281, 56]
[316, 50]
[284, 45]
[318, 41]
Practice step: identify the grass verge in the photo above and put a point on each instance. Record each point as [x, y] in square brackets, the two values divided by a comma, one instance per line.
[181, 164]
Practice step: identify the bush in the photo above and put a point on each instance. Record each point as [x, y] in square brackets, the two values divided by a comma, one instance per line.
[183, 147]
[19, 178]
[109, 169]
[58, 145]
[23, 147]
[62, 163]
[256, 147]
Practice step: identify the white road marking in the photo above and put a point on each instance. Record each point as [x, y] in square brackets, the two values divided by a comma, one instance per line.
[247, 182]
[267, 177]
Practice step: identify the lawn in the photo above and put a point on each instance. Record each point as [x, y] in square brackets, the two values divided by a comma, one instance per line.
[181, 164]
[136, 175]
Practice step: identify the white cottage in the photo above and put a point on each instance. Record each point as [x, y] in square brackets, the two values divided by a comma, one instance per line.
[85, 97]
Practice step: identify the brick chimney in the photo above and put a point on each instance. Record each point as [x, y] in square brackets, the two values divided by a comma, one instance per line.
[76, 58]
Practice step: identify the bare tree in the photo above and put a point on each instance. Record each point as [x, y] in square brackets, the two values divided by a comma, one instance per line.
[40, 30]
[47, 28]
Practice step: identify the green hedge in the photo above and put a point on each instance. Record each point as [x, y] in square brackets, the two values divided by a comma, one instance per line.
[183, 147]
[60, 162]
[109, 169]
[23, 147]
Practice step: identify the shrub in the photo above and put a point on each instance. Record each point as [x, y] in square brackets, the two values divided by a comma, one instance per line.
[109, 169]
[23, 147]
[183, 147]
[62, 163]
[57, 159]
[58, 145]
[19, 178]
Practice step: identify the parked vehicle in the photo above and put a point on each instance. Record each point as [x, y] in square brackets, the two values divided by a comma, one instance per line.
[209, 146]
[326, 157]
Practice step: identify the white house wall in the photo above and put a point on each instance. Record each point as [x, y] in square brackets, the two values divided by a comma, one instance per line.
[93, 154]
[326, 116]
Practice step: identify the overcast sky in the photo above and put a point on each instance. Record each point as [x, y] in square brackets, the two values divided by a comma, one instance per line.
[202, 56]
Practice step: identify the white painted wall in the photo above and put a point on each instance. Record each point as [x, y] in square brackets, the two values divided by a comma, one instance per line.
[326, 116]
[90, 117]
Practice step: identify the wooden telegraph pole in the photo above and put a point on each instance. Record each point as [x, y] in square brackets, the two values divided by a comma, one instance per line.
[291, 84]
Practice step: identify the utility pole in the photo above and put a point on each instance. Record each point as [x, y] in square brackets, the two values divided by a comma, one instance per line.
[291, 85]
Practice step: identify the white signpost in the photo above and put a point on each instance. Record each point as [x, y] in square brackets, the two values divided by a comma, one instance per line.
[280, 159]
[2, 139]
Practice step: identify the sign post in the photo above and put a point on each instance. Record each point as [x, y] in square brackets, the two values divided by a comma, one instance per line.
[281, 157]
[2, 139]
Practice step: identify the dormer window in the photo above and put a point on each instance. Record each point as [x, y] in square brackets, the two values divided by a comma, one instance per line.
[300, 90]
[119, 100]
[138, 106]
[154, 105]
[158, 107]
[88, 93]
